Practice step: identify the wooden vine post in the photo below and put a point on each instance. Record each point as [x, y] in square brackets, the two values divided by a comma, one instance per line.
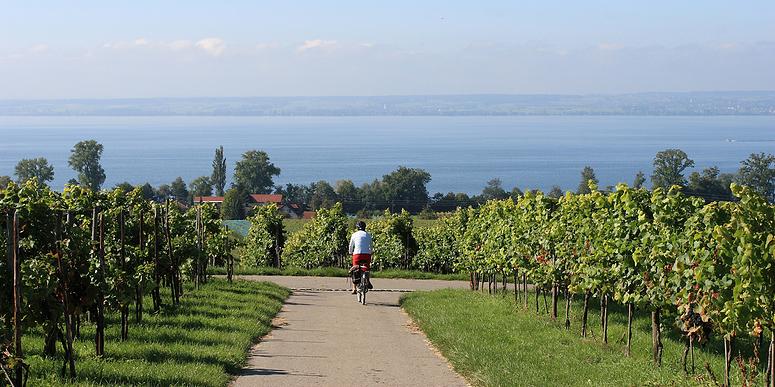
[64, 275]
[9, 259]
[772, 360]
[122, 264]
[17, 301]
[155, 293]
[630, 311]
[140, 261]
[98, 234]
[656, 336]
[174, 269]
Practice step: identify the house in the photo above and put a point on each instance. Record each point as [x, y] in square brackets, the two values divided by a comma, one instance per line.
[264, 199]
[208, 199]
[290, 210]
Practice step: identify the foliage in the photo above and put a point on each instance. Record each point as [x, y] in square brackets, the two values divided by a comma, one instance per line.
[758, 172]
[405, 188]
[322, 195]
[179, 191]
[494, 190]
[321, 242]
[587, 175]
[38, 168]
[266, 237]
[394, 243]
[84, 251]
[201, 186]
[640, 179]
[85, 160]
[711, 184]
[233, 206]
[669, 165]
[218, 177]
[253, 174]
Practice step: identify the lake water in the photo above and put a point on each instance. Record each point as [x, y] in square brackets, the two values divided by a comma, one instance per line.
[461, 153]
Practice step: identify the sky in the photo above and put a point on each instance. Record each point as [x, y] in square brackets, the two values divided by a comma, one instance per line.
[135, 49]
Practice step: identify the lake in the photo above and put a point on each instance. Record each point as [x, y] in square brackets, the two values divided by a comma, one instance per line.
[461, 153]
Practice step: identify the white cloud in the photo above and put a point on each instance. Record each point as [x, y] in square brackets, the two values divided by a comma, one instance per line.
[140, 42]
[212, 46]
[38, 48]
[178, 45]
[317, 44]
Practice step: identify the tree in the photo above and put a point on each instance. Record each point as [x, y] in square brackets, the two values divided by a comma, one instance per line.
[711, 184]
[587, 174]
[179, 191]
[38, 168]
[406, 188]
[640, 178]
[233, 206]
[295, 193]
[164, 192]
[494, 190]
[148, 192]
[556, 192]
[758, 172]
[323, 195]
[669, 165]
[125, 186]
[374, 195]
[516, 193]
[218, 177]
[349, 195]
[201, 186]
[85, 160]
[253, 174]
[4, 180]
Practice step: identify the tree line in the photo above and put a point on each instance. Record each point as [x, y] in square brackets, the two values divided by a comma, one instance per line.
[404, 188]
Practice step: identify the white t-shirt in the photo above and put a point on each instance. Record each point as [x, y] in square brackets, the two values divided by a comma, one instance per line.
[360, 243]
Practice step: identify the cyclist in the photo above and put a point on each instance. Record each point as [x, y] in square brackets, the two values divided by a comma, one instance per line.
[360, 248]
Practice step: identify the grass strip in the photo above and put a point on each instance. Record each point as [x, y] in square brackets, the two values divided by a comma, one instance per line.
[492, 341]
[202, 342]
[337, 272]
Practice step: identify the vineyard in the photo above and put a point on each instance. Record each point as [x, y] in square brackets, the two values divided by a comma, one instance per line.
[75, 257]
[706, 268]
[710, 268]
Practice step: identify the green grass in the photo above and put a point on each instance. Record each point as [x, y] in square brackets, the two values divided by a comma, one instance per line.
[201, 342]
[294, 225]
[242, 226]
[492, 342]
[336, 272]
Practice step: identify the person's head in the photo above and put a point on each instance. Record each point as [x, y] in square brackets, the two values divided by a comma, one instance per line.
[361, 225]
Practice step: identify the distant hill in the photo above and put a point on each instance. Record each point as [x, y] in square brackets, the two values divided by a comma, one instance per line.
[691, 103]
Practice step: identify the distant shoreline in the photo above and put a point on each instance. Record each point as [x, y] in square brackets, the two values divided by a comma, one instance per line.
[732, 103]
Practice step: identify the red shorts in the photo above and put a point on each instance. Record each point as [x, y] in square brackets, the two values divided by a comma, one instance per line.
[362, 259]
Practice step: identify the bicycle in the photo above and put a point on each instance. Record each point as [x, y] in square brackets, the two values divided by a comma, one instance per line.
[363, 283]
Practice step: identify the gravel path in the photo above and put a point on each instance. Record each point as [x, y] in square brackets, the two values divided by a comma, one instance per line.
[324, 337]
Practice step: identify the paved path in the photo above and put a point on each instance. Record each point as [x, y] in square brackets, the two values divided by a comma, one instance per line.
[324, 337]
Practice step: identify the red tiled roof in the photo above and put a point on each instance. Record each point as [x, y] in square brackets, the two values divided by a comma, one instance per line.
[308, 214]
[294, 205]
[208, 199]
[260, 198]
